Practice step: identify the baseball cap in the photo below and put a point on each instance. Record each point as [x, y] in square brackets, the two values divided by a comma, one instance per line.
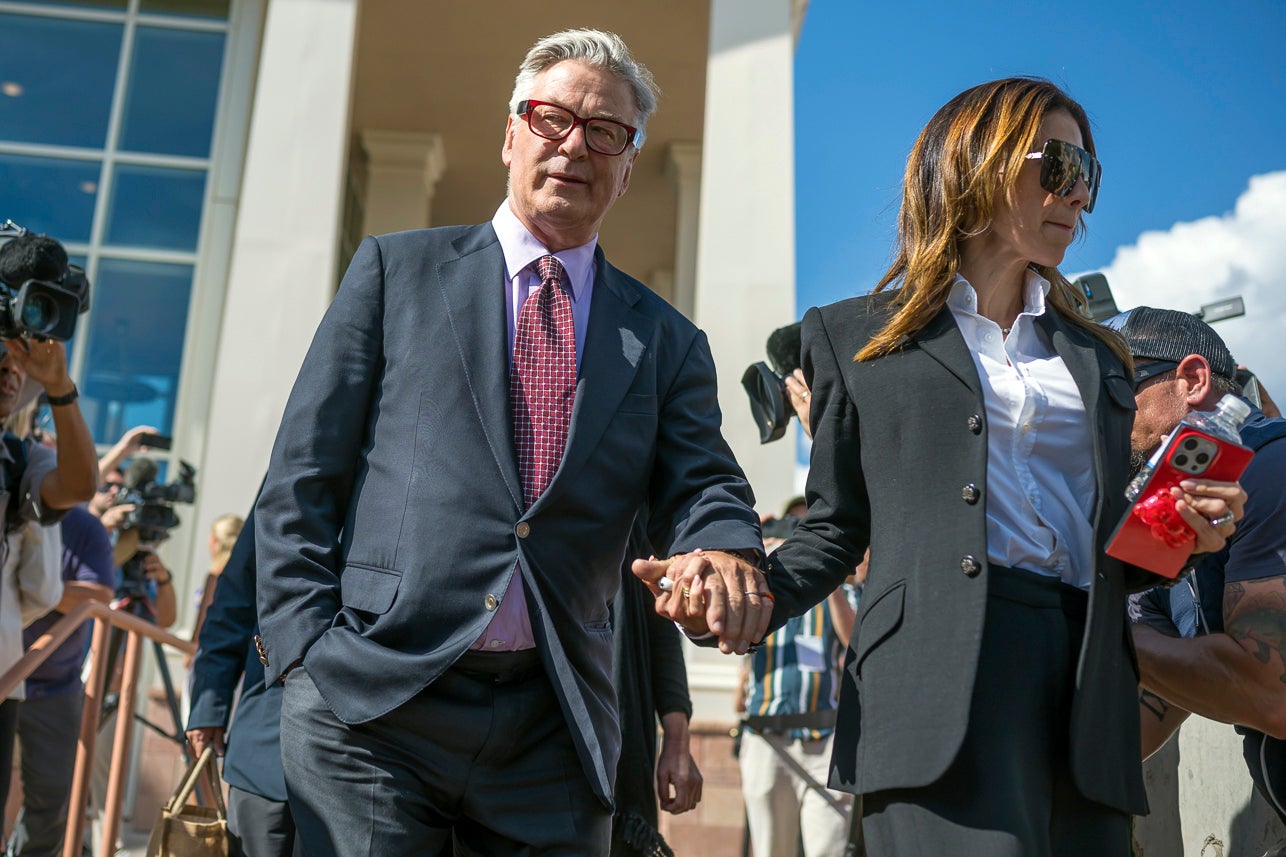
[1160, 338]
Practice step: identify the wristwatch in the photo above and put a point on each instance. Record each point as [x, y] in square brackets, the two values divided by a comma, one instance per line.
[65, 399]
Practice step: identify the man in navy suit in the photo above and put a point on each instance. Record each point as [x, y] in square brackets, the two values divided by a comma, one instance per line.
[259, 819]
[481, 414]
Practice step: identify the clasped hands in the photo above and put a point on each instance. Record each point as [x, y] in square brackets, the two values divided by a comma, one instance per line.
[711, 592]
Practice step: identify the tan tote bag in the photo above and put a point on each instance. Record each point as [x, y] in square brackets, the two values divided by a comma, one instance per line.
[184, 830]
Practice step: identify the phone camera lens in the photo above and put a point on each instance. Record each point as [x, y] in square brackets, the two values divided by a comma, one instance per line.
[1181, 460]
[1190, 444]
[1203, 458]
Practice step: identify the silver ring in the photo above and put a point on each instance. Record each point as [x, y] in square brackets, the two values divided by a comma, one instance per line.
[807, 395]
[1225, 518]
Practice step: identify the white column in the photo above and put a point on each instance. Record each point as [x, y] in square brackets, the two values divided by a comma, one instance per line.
[745, 285]
[745, 265]
[402, 172]
[282, 273]
[683, 168]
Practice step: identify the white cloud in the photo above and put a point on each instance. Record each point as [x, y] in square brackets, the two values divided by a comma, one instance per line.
[1239, 253]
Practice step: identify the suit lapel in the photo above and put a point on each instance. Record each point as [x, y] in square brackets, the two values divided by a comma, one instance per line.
[942, 340]
[615, 342]
[472, 292]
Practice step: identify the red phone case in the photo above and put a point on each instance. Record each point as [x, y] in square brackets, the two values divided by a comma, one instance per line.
[1152, 534]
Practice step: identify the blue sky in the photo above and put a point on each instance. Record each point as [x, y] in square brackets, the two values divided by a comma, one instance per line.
[1187, 102]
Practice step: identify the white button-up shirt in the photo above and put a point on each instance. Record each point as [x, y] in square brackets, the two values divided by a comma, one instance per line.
[1040, 490]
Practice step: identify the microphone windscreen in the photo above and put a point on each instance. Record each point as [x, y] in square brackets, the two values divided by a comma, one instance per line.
[141, 471]
[783, 349]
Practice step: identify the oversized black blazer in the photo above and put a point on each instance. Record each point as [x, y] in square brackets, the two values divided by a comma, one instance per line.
[897, 440]
[392, 517]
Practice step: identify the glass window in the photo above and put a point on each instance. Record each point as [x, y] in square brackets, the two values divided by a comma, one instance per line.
[49, 195]
[173, 87]
[135, 342]
[56, 79]
[190, 8]
[155, 207]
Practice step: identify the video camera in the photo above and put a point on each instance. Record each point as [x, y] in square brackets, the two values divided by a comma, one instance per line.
[42, 308]
[153, 517]
[769, 399]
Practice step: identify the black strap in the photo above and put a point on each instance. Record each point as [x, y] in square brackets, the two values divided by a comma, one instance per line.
[11, 474]
[785, 722]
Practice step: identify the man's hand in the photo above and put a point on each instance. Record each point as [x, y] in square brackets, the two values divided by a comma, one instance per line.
[800, 399]
[678, 782]
[1201, 501]
[44, 361]
[206, 736]
[712, 592]
[115, 516]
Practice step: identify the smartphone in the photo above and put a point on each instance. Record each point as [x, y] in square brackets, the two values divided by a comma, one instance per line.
[156, 441]
[1153, 535]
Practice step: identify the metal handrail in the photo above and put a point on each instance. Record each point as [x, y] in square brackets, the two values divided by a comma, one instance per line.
[136, 630]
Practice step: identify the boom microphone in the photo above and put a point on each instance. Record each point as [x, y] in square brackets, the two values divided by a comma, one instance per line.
[142, 471]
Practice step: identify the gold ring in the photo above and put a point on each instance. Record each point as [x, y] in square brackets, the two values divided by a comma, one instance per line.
[686, 592]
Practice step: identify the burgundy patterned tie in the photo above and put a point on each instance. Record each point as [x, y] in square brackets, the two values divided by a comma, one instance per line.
[542, 386]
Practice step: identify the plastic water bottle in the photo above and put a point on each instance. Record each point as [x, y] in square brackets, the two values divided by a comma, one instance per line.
[1223, 423]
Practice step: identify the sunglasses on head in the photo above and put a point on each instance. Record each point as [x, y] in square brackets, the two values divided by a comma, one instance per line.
[1062, 165]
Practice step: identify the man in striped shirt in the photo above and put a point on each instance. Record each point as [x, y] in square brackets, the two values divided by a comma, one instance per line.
[792, 693]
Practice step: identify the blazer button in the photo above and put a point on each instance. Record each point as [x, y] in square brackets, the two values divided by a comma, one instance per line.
[970, 566]
[523, 529]
[975, 424]
[970, 493]
[491, 602]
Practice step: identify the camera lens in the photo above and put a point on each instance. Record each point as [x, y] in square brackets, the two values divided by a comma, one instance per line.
[1203, 458]
[1190, 444]
[39, 313]
[1180, 460]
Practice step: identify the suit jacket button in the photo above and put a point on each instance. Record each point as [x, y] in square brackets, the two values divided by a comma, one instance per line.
[970, 566]
[523, 529]
[259, 647]
[970, 493]
[975, 424]
[491, 602]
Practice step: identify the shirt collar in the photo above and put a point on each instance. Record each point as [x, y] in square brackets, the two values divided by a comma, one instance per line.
[964, 298]
[522, 250]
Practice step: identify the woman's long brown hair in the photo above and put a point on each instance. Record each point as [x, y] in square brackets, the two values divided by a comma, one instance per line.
[971, 149]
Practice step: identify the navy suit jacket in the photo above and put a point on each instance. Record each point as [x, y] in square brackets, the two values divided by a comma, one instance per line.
[392, 519]
[226, 655]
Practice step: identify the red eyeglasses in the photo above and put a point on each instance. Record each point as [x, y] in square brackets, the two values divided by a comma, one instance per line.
[605, 136]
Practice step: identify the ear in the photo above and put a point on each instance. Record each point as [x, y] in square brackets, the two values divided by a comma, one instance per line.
[1195, 373]
[629, 170]
[506, 149]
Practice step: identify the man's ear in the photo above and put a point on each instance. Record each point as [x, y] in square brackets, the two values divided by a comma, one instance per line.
[629, 171]
[1194, 371]
[506, 148]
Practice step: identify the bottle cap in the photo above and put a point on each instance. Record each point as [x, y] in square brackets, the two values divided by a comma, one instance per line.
[1234, 408]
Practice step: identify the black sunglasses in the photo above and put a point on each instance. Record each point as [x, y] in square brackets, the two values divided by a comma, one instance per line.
[1062, 165]
[1145, 369]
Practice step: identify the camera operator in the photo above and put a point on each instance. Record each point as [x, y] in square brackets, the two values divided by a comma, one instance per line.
[41, 484]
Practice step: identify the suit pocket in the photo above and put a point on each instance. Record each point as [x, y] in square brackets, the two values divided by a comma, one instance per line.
[881, 619]
[369, 589]
[638, 403]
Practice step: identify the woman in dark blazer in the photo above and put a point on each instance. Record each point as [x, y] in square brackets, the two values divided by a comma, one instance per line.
[972, 427]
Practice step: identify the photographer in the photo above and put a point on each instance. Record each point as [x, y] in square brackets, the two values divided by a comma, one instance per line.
[45, 483]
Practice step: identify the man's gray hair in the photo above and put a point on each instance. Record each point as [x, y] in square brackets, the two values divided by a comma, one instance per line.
[600, 49]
